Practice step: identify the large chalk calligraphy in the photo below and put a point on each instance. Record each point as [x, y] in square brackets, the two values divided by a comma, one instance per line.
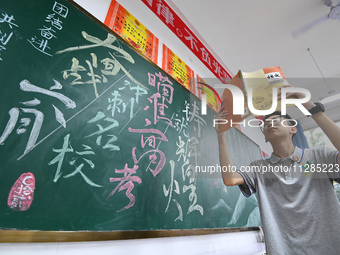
[111, 64]
[25, 121]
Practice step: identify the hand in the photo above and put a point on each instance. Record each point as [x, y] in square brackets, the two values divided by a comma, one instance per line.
[308, 105]
[291, 94]
[297, 95]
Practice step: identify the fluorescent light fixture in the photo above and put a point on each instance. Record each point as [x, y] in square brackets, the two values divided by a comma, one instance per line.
[331, 96]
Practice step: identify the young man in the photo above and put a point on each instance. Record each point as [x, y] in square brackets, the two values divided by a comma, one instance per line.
[300, 212]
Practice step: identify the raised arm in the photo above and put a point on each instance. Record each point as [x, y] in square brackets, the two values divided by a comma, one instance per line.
[327, 125]
[331, 130]
[229, 177]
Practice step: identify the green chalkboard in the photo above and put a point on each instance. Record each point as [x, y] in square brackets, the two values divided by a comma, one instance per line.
[95, 137]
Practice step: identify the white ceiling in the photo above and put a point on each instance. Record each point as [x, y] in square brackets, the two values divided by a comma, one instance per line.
[253, 34]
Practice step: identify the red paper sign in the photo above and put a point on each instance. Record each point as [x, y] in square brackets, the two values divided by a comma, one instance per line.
[131, 30]
[179, 28]
[179, 70]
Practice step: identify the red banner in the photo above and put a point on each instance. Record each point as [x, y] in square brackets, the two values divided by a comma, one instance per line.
[179, 28]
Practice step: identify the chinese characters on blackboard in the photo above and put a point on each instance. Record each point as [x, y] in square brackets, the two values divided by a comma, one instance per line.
[49, 28]
[6, 30]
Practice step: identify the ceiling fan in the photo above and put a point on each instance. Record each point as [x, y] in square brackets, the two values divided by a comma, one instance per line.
[333, 14]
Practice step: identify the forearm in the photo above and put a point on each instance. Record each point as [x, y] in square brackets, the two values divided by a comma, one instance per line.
[229, 177]
[225, 161]
[227, 174]
[331, 130]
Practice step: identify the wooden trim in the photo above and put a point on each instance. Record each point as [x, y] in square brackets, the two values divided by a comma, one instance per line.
[20, 236]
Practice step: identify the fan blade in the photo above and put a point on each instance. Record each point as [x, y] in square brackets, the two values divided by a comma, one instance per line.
[297, 33]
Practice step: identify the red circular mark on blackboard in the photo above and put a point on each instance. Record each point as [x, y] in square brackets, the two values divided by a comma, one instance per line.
[21, 195]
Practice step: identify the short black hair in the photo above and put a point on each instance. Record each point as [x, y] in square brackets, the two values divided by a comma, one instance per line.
[292, 121]
[287, 117]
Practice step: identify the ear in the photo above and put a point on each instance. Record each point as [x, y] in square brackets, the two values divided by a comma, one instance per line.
[293, 130]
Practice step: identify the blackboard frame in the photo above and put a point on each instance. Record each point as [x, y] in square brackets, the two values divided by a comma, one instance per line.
[70, 236]
[21, 236]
